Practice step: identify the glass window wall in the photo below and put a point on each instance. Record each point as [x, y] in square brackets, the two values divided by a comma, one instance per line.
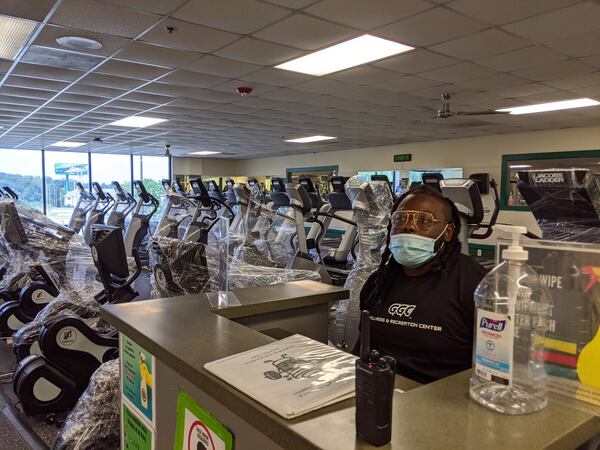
[63, 171]
[21, 170]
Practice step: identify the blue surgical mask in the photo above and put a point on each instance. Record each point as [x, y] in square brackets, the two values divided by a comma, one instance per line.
[412, 250]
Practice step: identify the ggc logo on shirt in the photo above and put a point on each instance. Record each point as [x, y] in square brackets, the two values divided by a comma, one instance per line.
[401, 310]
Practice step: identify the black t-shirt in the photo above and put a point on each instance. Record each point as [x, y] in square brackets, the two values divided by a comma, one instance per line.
[426, 322]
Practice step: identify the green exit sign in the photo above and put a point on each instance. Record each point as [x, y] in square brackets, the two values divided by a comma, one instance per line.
[403, 158]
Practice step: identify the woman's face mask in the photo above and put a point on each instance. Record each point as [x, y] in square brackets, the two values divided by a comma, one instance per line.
[413, 250]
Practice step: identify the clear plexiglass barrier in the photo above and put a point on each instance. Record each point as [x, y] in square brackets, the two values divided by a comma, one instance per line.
[571, 271]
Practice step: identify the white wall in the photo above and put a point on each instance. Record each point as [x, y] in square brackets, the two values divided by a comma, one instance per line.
[206, 167]
[478, 154]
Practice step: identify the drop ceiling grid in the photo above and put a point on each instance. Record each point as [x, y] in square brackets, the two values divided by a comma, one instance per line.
[471, 62]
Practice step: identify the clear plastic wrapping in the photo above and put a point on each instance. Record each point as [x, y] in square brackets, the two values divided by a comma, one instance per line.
[267, 236]
[94, 422]
[372, 219]
[181, 268]
[565, 203]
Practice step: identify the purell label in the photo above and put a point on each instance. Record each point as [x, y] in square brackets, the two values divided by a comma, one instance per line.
[492, 347]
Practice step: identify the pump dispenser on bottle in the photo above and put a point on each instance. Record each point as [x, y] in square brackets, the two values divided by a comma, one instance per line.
[512, 310]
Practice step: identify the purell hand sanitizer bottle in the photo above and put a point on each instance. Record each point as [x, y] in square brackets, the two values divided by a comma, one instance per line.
[512, 310]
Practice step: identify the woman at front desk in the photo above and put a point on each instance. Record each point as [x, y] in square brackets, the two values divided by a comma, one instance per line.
[421, 296]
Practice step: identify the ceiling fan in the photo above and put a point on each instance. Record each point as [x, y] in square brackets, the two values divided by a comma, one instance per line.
[446, 109]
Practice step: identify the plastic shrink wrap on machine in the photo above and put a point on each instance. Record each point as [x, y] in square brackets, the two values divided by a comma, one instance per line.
[372, 222]
[80, 302]
[565, 203]
[94, 422]
[181, 268]
[267, 236]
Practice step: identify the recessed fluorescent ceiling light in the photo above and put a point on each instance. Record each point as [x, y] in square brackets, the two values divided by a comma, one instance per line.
[68, 144]
[311, 139]
[137, 122]
[553, 106]
[354, 52]
[205, 152]
[520, 166]
[14, 33]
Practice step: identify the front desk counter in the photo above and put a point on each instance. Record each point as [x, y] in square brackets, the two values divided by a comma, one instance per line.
[184, 333]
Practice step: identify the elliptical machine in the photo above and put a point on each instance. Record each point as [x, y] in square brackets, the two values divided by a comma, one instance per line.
[84, 205]
[104, 202]
[139, 226]
[71, 351]
[124, 204]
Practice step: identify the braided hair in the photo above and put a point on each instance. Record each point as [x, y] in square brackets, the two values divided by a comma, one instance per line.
[447, 255]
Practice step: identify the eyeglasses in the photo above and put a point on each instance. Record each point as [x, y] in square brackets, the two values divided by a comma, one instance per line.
[423, 220]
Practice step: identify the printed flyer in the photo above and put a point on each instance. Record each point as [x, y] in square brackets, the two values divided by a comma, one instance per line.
[198, 429]
[136, 434]
[137, 380]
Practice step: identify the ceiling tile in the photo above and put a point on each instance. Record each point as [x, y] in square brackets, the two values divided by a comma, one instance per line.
[276, 77]
[161, 7]
[521, 59]
[156, 55]
[214, 96]
[589, 91]
[24, 92]
[27, 10]
[222, 67]
[95, 90]
[188, 36]
[167, 89]
[580, 45]
[131, 70]
[46, 72]
[34, 83]
[320, 85]
[490, 83]
[364, 75]
[547, 97]
[187, 78]
[555, 71]
[102, 18]
[524, 90]
[110, 44]
[288, 95]
[458, 72]
[255, 51]
[498, 13]
[366, 15]
[60, 58]
[430, 27]
[576, 19]
[590, 79]
[294, 4]
[144, 97]
[111, 81]
[292, 31]
[478, 45]
[593, 61]
[407, 83]
[415, 61]
[236, 16]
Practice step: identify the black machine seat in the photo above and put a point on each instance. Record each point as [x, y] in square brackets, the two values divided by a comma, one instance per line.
[230, 194]
[279, 196]
[299, 198]
[565, 202]
[432, 179]
[309, 187]
[214, 191]
[338, 199]
[465, 194]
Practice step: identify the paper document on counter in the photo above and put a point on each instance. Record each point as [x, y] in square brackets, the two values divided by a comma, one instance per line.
[292, 376]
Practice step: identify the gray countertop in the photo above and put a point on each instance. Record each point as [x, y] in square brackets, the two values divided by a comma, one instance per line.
[185, 333]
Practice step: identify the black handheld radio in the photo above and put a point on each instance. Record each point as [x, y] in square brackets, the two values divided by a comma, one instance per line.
[374, 389]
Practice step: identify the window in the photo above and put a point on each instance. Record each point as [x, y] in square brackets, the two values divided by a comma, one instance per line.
[151, 170]
[63, 171]
[511, 164]
[21, 170]
[107, 168]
